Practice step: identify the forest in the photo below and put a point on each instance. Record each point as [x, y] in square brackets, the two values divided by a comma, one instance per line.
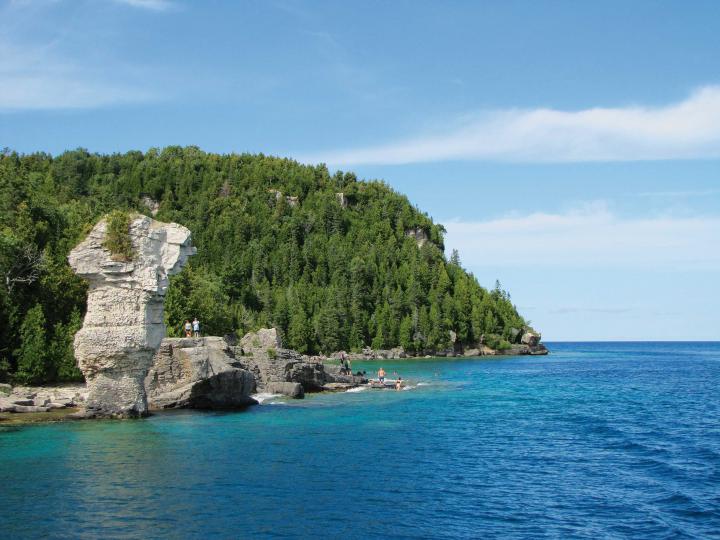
[334, 262]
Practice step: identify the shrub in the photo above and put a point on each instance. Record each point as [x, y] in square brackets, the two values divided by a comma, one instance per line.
[117, 237]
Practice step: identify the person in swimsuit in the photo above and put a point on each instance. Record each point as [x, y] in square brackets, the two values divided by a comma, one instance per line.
[398, 383]
[381, 375]
[188, 328]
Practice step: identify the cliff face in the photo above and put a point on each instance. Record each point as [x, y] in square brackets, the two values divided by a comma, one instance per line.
[123, 326]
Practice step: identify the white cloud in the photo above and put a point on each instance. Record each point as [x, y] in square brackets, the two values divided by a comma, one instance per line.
[589, 237]
[153, 5]
[685, 130]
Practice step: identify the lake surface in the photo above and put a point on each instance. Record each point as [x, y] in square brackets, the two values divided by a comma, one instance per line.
[597, 440]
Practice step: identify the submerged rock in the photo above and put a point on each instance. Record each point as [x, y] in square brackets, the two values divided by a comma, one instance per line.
[124, 325]
[200, 373]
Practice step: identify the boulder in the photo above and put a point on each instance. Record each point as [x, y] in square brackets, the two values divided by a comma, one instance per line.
[124, 326]
[200, 373]
[262, 340]
[530, 338]
[29, 408]
[261, 353]
[520, 350]
[291, 389]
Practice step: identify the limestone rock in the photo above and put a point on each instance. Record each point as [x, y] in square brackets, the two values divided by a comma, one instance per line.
[261, 353]
[199, 373]
[151, 204]
[291, 389]
[518, 350]
[262, 340]
[419, 234]
[124, 325]
[530, 338]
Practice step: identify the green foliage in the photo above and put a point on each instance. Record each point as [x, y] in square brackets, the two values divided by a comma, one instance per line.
[328, 277]
[195, 294]
[117, 237]
[62, 351]
[33, 358]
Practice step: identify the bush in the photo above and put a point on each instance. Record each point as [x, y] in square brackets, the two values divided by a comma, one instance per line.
[117, 237]
[497, 342]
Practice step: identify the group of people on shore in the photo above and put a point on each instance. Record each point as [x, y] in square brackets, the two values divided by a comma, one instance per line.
[398, 379]
[346, 369]
[192, 329]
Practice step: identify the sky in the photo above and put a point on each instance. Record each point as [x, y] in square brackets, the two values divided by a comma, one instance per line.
[570, 149]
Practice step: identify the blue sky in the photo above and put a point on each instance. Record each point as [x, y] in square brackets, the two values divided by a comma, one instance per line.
[571, 149]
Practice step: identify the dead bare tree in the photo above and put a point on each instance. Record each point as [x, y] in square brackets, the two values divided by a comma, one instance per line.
[26, 269]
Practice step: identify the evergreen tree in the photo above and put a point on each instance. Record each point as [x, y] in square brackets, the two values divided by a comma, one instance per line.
[33, 358]
[328, 276]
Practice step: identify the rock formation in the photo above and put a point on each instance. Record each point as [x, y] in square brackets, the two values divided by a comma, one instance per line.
[275, 368]
[22, 399]
[124, 325]
[419, 234]
[198, 373]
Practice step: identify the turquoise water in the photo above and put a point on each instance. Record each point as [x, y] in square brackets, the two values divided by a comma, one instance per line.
[596, 440]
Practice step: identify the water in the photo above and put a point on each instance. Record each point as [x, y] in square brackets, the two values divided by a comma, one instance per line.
[594, 441]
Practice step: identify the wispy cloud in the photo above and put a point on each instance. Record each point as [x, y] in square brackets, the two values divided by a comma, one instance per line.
[684, 130]
[41, 69]
[588, 237]
[604, 311]
[43, 80]
[683, 194]
[152, 5]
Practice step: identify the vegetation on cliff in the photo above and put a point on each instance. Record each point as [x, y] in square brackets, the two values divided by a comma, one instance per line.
[117, 236]
[333, 262]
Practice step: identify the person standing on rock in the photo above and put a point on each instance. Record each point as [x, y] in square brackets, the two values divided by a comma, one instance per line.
[381, 375]
[188, 328]
[196, 327]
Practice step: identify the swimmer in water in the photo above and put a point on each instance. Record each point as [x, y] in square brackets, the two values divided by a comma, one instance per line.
[398, 383]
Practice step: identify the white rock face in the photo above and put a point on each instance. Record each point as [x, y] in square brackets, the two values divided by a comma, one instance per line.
[124, 326]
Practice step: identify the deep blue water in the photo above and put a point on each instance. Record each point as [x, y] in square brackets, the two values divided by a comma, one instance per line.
[597, 440]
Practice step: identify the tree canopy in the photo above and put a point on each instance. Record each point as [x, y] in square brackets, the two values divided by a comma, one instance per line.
[331, 261]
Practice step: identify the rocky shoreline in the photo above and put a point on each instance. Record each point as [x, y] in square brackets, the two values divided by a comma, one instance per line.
[220, 373]
[131, 369]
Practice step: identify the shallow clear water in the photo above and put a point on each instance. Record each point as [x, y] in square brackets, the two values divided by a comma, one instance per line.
[597, 440]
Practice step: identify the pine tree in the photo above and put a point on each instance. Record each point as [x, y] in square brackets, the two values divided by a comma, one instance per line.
[62, 350]
[33, 357]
